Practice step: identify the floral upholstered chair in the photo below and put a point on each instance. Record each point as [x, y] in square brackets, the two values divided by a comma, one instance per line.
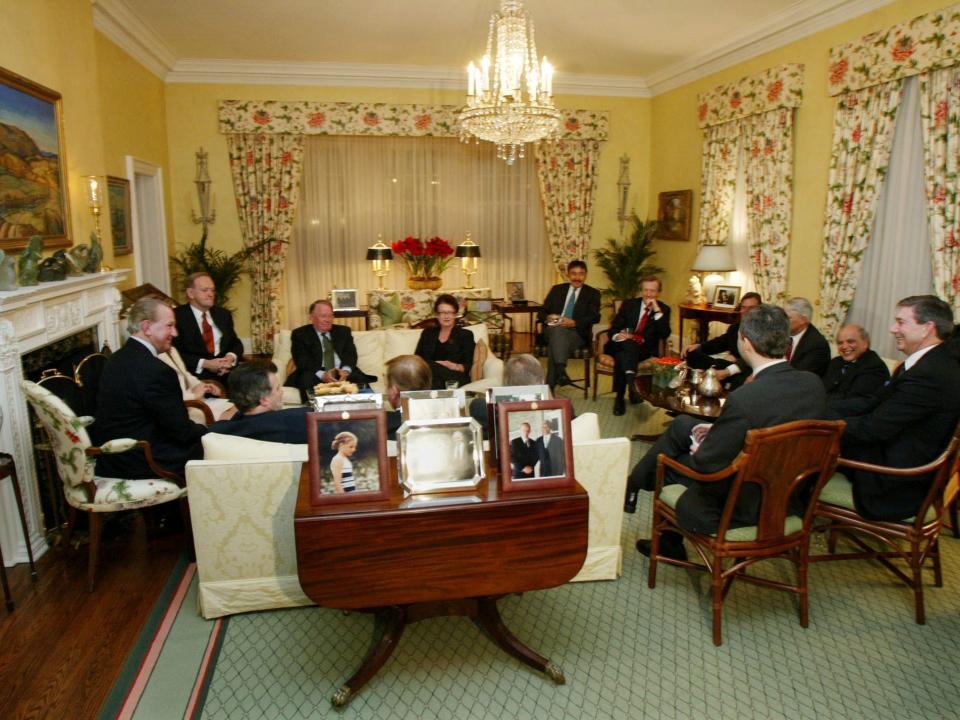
[84, 490]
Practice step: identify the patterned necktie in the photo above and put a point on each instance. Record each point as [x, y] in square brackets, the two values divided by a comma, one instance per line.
[641, 324]
[328, 361]
[571, 301]
[207, 334]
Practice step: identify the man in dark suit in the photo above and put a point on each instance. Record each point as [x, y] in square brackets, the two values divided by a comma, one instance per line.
[909, 421]
[857, 371]
[323, 352]
[550, 453]
[778, 393]
[808, 348]
[569, 313]
[698, 355]
[523, 454]
[635, 335]
[256, 391]
[140, 398]
[205, 338]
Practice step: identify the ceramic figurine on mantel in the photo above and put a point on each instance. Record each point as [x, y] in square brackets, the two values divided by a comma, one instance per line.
[29, 261]
[96, 254]
[8, 272]
[54, 268]
[77, 258]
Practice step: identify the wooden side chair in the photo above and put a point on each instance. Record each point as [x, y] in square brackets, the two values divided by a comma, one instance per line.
[84, 490]
[913, 541]
[794, 457]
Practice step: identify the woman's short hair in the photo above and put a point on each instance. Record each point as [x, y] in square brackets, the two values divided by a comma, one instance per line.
[446, 299]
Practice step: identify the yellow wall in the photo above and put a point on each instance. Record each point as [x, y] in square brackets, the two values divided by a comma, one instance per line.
[51, 42]
[192, 123]
[676, 141]
[133, 119]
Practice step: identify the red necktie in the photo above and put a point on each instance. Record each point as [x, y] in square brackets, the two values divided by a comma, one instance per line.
[789, 350]
[207, 334]
[638, 333]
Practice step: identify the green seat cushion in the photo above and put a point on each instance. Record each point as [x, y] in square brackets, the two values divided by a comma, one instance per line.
[839, 491]
[670, 494]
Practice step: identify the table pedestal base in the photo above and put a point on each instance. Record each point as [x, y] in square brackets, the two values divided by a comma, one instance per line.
[390, 622]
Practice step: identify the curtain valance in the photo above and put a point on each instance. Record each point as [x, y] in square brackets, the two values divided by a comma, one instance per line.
[776, 87]
[344, 118]
[926, 42]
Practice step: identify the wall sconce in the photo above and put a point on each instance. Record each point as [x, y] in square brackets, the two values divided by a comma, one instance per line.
[94, 188]
[203, 182]
[713, 259]
[380, 256]
[469, 253]
[623, 190]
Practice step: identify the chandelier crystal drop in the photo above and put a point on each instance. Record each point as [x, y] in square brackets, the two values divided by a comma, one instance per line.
[509, 95]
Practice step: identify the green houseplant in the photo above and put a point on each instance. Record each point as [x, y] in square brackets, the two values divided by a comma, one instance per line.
[224, 269]
[626, 262]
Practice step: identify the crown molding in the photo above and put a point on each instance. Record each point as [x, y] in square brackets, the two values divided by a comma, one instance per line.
[251, 72]
[119, 23]
[781, 29]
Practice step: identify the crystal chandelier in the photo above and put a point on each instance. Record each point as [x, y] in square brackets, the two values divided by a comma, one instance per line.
[509, 95]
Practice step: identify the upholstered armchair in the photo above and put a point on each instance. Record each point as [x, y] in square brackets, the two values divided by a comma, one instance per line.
[84, 490]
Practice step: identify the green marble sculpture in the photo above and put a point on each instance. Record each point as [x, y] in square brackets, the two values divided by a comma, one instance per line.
[29, 262]
[8, 272]
[96, 254]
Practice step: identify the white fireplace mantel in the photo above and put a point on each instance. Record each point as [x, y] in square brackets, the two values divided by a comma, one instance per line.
[30, 318]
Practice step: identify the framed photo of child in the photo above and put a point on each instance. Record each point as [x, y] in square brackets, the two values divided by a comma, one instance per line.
[536, 448]
[347, 456]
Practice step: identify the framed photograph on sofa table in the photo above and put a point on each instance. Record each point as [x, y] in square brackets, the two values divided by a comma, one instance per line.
[347, 456]
[535, 445]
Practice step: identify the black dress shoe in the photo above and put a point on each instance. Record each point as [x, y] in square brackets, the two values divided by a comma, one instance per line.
[632, 392]
[630, 502]
[667, 550]
[619, 406]
[564, 379]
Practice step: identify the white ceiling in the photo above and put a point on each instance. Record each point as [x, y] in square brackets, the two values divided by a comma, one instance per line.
[623, 47]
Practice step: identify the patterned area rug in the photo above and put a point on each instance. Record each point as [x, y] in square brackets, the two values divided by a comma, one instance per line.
[627, 651]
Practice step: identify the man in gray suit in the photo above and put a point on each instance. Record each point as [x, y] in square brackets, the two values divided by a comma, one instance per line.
[551, 453]
[779, 393]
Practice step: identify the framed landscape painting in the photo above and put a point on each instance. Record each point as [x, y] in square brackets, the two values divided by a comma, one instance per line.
[34, 182]
[118, 201]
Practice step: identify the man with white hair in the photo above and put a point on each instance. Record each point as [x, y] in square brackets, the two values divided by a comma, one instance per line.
[808, 348]
[857, 371]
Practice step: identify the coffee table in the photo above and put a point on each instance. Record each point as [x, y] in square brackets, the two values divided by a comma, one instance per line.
[409, 559]
[676, 401]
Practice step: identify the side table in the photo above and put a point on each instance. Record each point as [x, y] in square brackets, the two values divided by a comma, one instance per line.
[8, 469]
[508, 309]
[705, 314]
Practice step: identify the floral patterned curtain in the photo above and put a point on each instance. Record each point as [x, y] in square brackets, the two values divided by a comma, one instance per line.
[568, 182]
[266, 171]
[718, 181]
[768, 139]
[862, 136]
[940, 117]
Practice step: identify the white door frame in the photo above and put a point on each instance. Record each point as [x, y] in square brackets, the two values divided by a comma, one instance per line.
[149, 226]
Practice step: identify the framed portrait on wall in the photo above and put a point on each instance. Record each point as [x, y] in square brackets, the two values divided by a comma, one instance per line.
[347, 456]
[34, 178]
[535, 445]
[673, 215]
[121, 227]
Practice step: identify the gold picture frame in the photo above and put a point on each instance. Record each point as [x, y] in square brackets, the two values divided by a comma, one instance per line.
[118, 204]
[673, 215]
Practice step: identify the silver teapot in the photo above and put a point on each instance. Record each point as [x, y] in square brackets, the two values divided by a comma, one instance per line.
[695, 376]
[710, 384]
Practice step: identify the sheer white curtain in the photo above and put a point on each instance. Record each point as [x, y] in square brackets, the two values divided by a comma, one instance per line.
[356, 187]
[897, 261]
[739, 246]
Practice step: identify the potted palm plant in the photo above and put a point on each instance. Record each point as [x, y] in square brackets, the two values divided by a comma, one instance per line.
[626, 262]
[224, 269]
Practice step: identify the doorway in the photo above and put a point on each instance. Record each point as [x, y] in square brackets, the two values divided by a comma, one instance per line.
[151, 263]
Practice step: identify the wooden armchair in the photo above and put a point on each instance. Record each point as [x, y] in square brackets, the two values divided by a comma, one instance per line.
[796, 457]
[83, 489]
[603, 363]
[914, 540]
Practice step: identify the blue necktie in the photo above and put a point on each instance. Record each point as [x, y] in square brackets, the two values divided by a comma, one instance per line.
[571, 301]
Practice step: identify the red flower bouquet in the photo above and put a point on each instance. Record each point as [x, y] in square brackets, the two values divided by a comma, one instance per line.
[423, 260]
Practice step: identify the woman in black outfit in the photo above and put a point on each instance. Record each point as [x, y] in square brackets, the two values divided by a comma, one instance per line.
[447, 348]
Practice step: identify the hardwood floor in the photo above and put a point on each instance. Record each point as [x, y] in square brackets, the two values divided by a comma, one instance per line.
[62, 648]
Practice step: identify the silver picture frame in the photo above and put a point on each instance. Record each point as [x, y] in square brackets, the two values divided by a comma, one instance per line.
[440, 456]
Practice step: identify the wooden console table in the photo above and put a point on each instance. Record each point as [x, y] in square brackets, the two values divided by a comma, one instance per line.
[705, 314]
[410, 559]
[530, 309]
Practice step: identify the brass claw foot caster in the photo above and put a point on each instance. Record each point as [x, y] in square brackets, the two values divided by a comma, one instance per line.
[342, 696]
[554, 672]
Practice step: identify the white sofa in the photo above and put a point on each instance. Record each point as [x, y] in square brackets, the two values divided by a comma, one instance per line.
[242, 515]
[376, 347]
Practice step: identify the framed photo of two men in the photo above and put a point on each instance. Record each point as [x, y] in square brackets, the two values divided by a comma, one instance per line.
[347, 456]
[535, 445]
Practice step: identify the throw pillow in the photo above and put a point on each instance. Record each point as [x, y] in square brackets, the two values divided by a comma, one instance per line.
[479, 358]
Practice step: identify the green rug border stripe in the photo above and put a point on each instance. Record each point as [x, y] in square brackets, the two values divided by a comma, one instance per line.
[211, 668]
[131, 666]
